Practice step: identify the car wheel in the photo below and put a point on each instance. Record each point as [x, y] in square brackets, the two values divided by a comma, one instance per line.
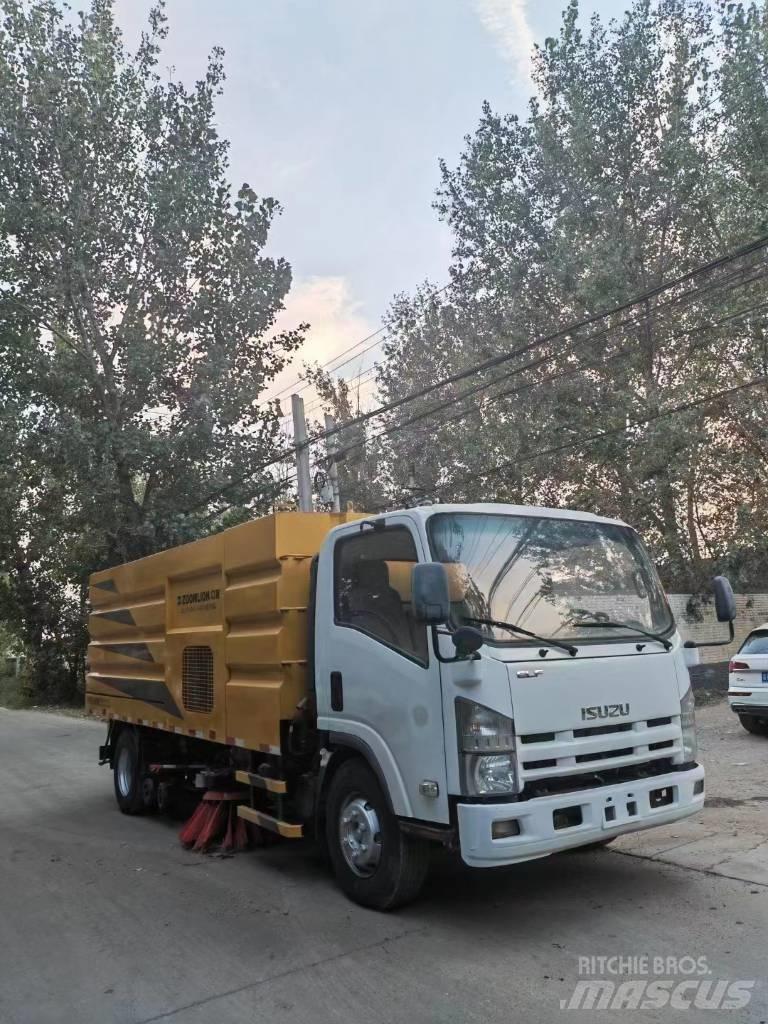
[375, 863]
[128, 773]
[754, 725]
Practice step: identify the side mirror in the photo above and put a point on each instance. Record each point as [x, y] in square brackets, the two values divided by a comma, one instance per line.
[725, 602]
[430, 598]
[467, 640]
[725, 610]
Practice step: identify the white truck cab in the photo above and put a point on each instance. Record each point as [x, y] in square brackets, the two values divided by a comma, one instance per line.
[511, 680]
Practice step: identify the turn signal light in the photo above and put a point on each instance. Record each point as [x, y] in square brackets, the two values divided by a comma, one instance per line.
[737, 666]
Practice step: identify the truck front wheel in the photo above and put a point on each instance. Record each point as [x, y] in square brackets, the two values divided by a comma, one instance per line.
[128, 773]
[374, 862]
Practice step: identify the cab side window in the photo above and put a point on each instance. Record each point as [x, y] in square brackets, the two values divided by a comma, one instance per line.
[372, 588]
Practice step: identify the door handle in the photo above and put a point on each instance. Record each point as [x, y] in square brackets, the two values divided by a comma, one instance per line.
[528, 673]
[337, 692]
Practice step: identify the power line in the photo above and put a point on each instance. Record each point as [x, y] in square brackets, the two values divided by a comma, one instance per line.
[589, 438]
[521, 388]
[534, 364]
[375, 334]
[643, 297]
[630, 322]
[292, 389]
[360, 380]
[531, 385]
[504, 357]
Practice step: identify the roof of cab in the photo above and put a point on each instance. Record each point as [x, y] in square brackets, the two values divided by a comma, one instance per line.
[492, 508]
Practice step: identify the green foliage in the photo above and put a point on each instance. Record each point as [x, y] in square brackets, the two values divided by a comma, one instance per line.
[641, 158]
[137, 317]
[362, 474]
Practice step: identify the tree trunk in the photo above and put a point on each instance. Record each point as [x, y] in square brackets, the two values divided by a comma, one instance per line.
[678, 569]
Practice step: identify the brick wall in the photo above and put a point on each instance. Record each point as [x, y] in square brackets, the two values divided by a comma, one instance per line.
[696, 621]
[695, 617]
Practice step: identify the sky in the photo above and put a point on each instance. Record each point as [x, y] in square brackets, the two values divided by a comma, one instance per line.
[341, 109]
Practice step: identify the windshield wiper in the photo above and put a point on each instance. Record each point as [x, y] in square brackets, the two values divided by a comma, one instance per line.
[525, 632]
[625, 625]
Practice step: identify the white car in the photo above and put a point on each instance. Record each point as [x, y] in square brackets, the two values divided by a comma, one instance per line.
[748, 682]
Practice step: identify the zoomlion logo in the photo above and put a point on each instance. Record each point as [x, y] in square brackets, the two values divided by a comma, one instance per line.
[197, 600]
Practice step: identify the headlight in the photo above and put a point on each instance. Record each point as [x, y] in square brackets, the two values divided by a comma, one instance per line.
[688, 726]
[486, 750]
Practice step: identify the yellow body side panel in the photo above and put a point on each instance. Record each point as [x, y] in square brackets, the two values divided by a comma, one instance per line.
[209, 638]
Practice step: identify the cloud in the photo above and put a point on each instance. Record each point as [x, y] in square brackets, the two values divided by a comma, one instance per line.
[336, 323]
[507, 22]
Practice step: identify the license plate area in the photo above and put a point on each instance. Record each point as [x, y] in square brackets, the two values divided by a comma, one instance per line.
[619, 810]
[764, 677]
[662, 797]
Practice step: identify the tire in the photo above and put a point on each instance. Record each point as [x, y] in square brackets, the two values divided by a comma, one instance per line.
[128, 774]
[754, 725]
[597, 845]
[391, 866]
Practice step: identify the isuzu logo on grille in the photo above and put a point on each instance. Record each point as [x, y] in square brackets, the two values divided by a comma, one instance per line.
[604, 711]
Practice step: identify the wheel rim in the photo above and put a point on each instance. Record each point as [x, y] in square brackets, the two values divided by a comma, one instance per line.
[124, 772]
[360, 835]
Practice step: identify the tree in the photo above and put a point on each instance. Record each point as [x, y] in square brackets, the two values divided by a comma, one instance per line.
[138, 304]
[621, 178]
[363, 483]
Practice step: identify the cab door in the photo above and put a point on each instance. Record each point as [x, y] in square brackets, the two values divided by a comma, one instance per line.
[376, 677]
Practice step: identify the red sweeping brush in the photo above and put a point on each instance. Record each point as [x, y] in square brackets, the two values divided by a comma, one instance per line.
[210, 820]
[236, 836]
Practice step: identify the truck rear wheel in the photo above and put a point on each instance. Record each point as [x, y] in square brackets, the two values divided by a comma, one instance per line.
[374, 862]
[128, 773]
[754, 725]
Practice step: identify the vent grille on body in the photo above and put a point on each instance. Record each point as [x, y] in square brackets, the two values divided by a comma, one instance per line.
[197, 679]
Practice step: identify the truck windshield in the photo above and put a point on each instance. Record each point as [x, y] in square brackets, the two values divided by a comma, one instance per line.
[549, 575]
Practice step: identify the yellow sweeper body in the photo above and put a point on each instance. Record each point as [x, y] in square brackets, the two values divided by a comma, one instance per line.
[209, 639]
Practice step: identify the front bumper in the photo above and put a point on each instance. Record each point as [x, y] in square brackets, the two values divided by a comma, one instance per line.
[604, 812]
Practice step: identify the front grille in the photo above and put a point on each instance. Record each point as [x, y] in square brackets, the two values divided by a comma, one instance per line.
[593, 780]
[571, 752]
[537, 737]
[603, 730]
[604, 755]
[197, 679]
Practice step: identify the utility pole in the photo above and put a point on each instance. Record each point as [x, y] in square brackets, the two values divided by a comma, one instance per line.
[303, 481]
[333, 471]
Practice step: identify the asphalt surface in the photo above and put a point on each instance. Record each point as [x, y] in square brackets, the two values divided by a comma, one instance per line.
[105, 918]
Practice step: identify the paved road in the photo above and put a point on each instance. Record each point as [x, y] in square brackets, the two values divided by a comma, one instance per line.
[730, 836]
[104, 918]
